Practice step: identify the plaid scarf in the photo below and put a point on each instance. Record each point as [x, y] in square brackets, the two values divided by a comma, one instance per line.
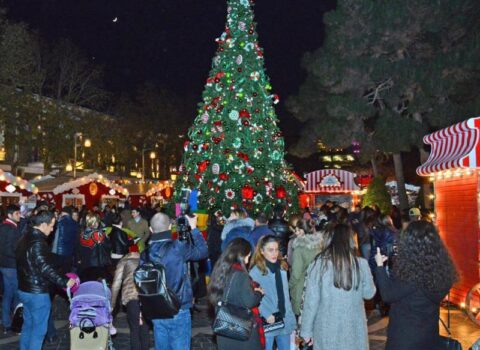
[255, 310]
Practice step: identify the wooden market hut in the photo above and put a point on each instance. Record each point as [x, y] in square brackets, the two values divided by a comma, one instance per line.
[15, 190]
[330, 184]
[89, 190]
[453, 167]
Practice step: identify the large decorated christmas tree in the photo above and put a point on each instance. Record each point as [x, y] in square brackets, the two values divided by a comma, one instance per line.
[234, 155]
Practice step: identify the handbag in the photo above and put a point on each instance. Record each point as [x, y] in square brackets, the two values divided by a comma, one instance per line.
[232, 321]
[157, 301]
[270, 327]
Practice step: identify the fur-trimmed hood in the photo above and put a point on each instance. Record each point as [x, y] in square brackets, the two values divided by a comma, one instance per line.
[311, 241]
[247, 222]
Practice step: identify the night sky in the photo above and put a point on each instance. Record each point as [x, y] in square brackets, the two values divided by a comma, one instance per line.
[171, 42]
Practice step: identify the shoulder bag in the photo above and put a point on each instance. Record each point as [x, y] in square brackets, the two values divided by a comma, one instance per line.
[157, 301]
[232, 321]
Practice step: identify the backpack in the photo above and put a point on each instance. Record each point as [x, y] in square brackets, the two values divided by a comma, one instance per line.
[157, 301]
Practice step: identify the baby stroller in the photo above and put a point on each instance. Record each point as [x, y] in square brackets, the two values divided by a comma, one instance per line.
[90, 317]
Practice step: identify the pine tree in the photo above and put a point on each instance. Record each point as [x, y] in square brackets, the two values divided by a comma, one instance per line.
[234, 155]
[388, 73]
[377, 194]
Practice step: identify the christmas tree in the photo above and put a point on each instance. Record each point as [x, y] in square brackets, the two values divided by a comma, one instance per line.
[234, 155]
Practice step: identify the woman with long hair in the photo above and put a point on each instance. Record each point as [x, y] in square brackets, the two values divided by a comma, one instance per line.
[230, 276]
[424, 273]
[270, 271]
[333, 315]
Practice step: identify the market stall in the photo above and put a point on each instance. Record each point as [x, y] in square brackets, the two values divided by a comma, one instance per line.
[161, 193]
[15, 190]
[90, 190]
[330, 184]
[453, 168]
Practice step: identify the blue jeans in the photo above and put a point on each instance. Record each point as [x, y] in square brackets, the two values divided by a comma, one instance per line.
[173, 333]
[283, 341]
[10, 294]
[36, 308]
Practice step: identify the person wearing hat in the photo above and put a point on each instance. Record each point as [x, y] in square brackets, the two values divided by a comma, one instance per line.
[414, 214]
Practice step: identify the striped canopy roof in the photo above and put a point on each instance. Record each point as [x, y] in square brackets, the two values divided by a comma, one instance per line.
[331, 181]
[452, 148]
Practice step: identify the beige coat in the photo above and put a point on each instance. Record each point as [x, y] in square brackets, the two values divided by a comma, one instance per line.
[123, 279]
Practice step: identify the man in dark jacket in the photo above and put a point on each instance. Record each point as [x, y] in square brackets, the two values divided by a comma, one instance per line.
[9, 236]
[280, 228]
[36, 275]
[63, 247]
[261, 228]
[174, 255]
[119, 241]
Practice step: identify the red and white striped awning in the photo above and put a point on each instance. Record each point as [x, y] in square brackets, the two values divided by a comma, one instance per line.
[452, 148]
[331, 181]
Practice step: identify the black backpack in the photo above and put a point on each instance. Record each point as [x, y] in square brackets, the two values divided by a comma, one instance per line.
[157, 301]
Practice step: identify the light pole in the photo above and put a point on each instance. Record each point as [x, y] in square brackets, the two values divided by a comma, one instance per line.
[152, 156]
[77, 138]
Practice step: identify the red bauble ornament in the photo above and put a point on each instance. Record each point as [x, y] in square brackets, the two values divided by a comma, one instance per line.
[242, 156]
[280, 192]
[223, 177]
[217, 123]
[202, 166]
[216, 140]
[244, 114]
[245, 122]
[239, 69]
[205, 146]
[257, 110]
[194, 147]
[247, 192]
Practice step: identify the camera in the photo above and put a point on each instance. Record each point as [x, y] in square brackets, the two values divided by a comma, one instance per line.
[184, 231]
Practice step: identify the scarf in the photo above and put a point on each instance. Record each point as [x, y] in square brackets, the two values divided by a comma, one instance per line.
[277, 270]
[255, 311]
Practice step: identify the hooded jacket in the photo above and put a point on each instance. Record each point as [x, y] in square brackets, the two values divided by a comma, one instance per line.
[414, 313]
[305, 249]
[239, 228]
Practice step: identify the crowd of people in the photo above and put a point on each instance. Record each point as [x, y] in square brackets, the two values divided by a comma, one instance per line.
[306, 278]
[314, 273]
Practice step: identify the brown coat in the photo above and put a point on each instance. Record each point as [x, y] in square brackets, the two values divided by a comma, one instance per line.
[140, 228]
[123, 279]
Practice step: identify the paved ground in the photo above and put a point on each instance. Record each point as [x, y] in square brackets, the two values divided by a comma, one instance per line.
[462, 328]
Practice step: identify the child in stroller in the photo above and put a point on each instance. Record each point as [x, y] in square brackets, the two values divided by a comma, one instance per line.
[90, 317]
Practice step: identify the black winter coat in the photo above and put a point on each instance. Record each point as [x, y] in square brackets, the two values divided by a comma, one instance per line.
[242, 294]
[414, 314]
[35, 270]
[281, 231]
[119, 241]
[9, 236]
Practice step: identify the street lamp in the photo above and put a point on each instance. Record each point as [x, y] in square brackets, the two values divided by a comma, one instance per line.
[77, 138]
[152, 156]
